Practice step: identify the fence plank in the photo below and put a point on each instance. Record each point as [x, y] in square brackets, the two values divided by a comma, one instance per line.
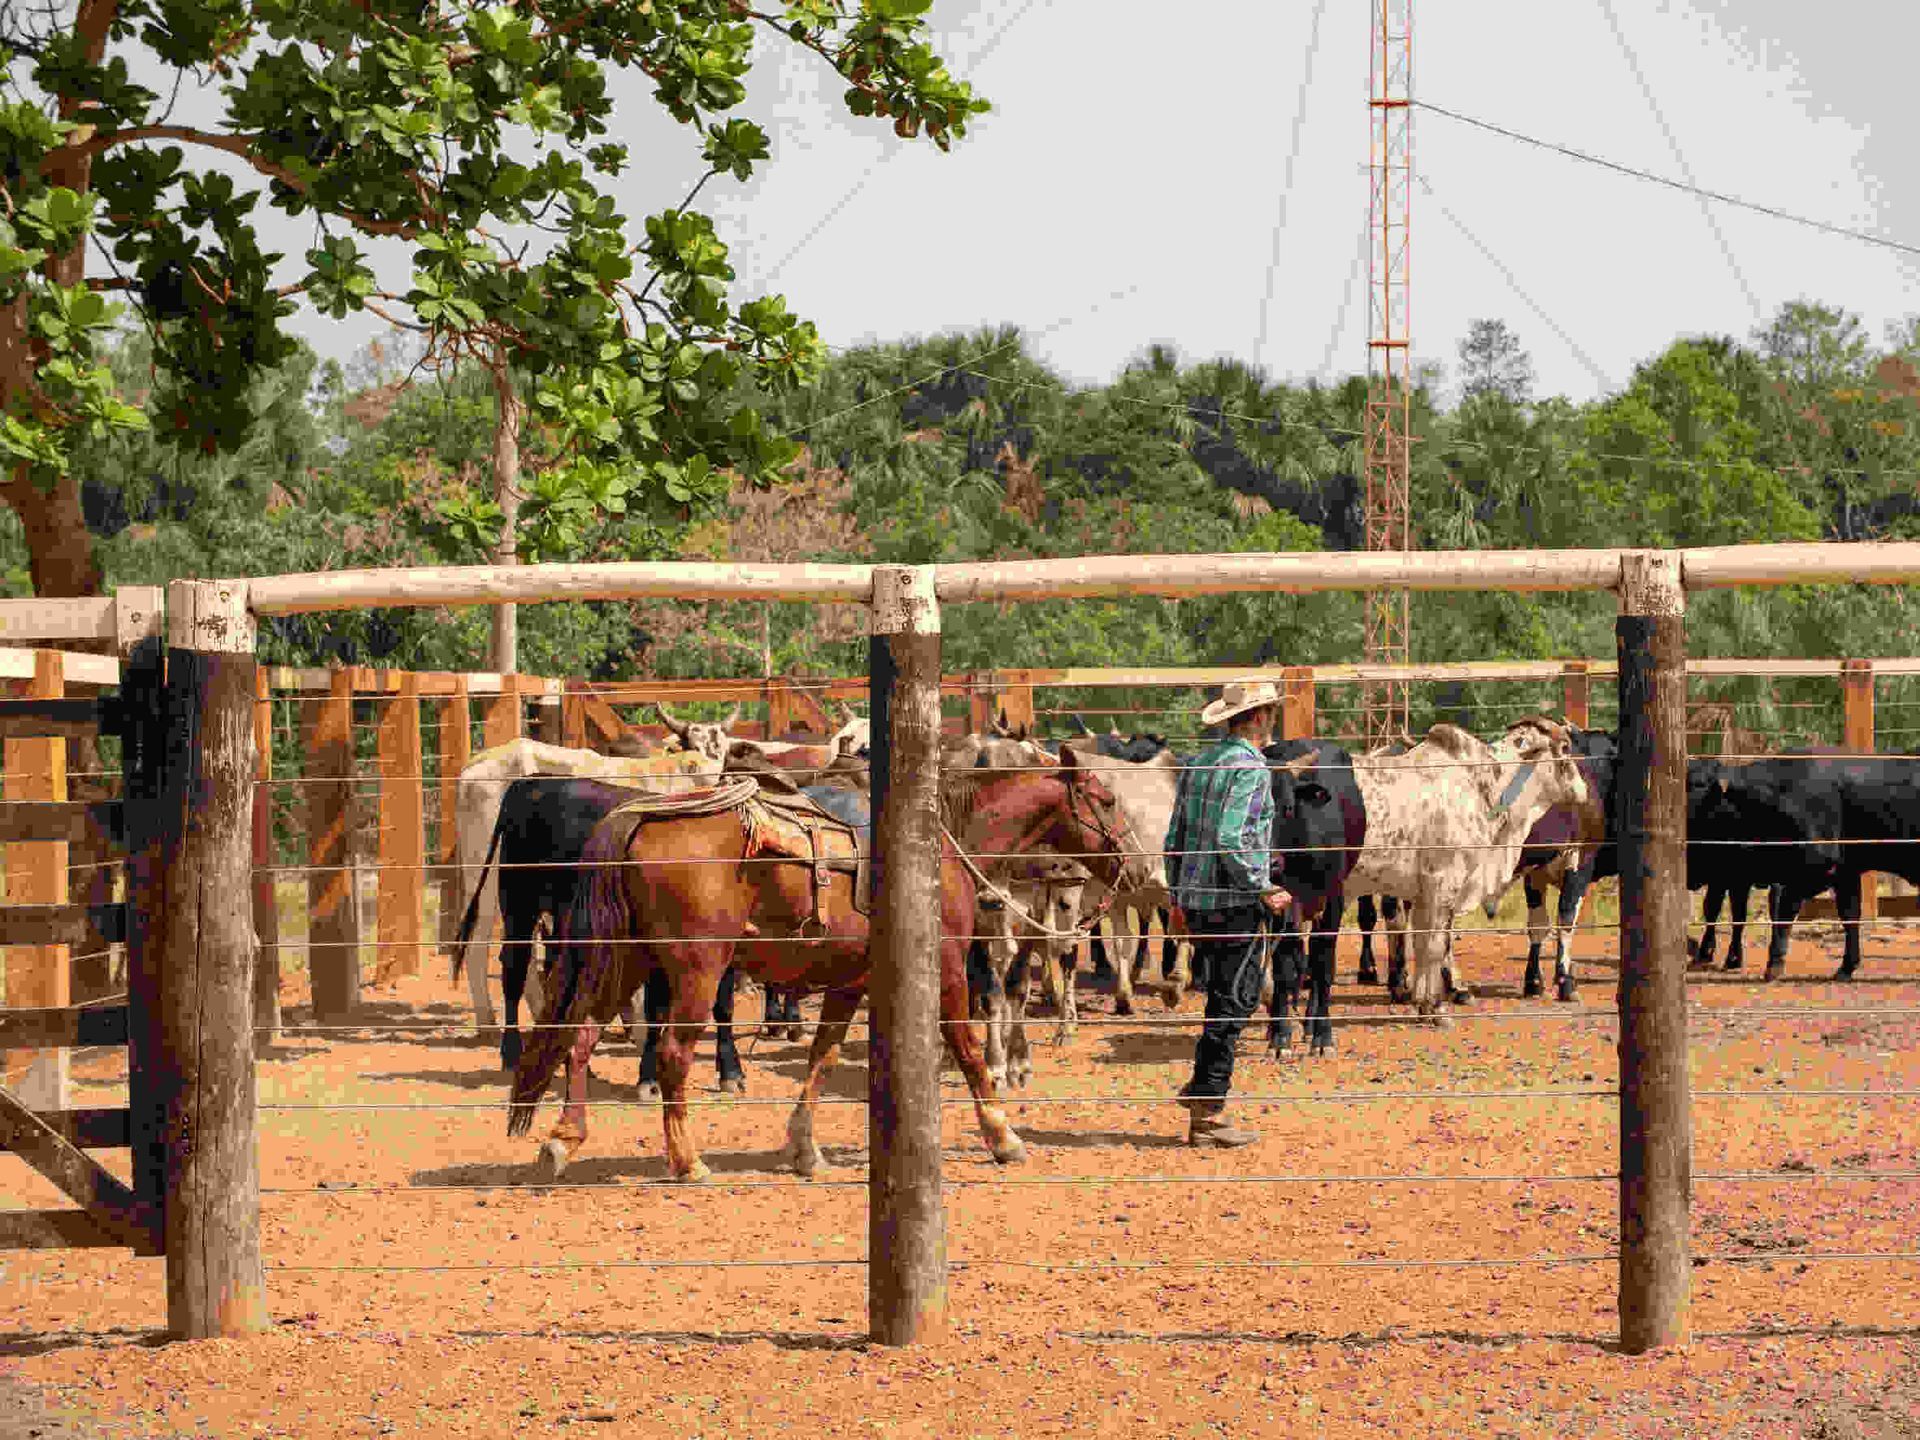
[1856, 698]
[54, 1230]
[1297, 716]
[72, 821]
[500, 715]
[79, 1176]
[333, 910]
[456, 753]
[33, 619]
[1576, 693]
[60, 926]
[39, 961]
[65, 1025]
[403, 835]
[1656, 1127]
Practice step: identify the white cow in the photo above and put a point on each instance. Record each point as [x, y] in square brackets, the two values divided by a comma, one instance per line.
[485, 781]
[1049, 889]
[1147, 791]
[1446, 823]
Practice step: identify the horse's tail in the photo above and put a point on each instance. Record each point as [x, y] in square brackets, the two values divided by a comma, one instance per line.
[585, 964]
[467, 921]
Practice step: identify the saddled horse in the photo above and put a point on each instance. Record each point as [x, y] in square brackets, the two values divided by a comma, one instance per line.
[646, 906]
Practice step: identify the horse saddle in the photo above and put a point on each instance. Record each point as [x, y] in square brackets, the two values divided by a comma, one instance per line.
[827, 828]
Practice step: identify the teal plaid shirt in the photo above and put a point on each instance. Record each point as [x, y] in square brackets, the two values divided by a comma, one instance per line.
[1217, 844]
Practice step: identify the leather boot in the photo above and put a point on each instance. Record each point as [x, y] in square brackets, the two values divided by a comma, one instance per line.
[1210, 1129]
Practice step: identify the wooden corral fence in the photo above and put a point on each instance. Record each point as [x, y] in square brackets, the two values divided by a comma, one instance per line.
[345, 829]
[191, 819]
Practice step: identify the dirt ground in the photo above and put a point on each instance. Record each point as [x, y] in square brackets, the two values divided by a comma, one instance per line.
[511, 1330]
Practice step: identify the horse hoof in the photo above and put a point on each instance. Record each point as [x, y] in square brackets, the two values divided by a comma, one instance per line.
[694, 1174]
[552, 1160]
[1400, 997]
[796, 1033]
[649, 1090]
[1461, 997]
[1367, 976]
[1172, 995]
[733, 1084]
[1734, 962]
[1012, 1152]
[1440, 1020]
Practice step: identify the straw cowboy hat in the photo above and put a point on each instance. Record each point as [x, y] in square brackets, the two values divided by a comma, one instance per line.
[1239, 696]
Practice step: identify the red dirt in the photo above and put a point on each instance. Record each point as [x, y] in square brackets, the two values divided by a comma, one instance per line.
[1786, 1347]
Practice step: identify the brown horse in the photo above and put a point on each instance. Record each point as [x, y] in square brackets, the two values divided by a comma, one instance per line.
[645, 905]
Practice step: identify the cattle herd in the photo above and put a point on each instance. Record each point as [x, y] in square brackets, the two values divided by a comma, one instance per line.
[1416, 834]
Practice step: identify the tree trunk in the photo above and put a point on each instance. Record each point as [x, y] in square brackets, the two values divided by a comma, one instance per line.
[506, 490]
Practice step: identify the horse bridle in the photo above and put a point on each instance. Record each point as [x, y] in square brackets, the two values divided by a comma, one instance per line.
[1088, 921]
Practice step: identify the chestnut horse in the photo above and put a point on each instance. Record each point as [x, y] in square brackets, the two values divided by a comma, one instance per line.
[644, 905]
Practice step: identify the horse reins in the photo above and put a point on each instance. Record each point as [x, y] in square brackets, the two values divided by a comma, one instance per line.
[1087, 922]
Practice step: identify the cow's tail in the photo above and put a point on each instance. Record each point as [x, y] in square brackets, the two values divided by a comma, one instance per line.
[585, 963]
[467, 921]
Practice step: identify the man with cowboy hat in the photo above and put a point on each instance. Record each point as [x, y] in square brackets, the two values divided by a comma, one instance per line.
[1217, 864]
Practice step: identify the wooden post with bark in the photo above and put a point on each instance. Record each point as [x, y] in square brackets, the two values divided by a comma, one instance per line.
[500, 715]
[1856, 697]
[201, 947]
[333, 910]
[39, 976]
[906, 1216]
[266, 906]
[1656, 1125]
[403, 833]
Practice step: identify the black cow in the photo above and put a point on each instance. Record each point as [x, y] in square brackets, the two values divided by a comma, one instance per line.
[539, 838]
[1319, 825]
[1806, 822]
[1545, 862]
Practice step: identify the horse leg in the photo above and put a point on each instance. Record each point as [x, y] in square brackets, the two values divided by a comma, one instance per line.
[655, 996]
[1573, 892]
[1006, 1146]
[690, 1004]
[1120, 950]
[726, 1055]
[836, 1012]
[570, 1131]
[988, 961]
[1062, 972]
[1368, 915]
[1536, 935]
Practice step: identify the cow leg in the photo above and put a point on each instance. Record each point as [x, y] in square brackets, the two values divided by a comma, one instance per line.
[1536, 935]
[655, 998]
[726, 1055]
[1573, 890]
[1120, 947]
[1738, 896]
[1429, 958]
[570, 1131]
[1019, 1053]
[1710, 918]
[690, 1004]
[1321, 947]
[1398, 916]
[1457, 991]
[516, 960]
[1785, 910]
[1369, 916]
[836, 1013]
[1846, 899]
[1288, 961]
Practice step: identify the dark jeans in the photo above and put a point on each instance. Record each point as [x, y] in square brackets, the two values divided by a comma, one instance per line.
[1229, 943]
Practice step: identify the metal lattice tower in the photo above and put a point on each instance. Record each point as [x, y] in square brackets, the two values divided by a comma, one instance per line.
[1384, 712]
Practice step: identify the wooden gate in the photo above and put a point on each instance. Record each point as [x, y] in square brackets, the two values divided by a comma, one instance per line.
[44, 933]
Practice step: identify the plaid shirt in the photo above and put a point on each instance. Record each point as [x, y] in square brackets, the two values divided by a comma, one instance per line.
[1221, 815]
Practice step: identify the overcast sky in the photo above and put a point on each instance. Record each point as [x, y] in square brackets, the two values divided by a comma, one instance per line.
[1144, 148]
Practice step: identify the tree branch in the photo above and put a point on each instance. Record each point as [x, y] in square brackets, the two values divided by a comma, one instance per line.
[242, 146]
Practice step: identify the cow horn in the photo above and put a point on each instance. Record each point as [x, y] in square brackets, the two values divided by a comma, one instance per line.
[679, 727]
[1300, 764]
[733, 715]
[847, 715]
[1080, 726]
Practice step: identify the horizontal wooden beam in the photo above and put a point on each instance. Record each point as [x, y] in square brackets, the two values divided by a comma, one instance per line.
[48, 1029]
[91, 1129]
[54, 1230]
[52, 719]
[75, 821]
[453, 585]
[88, 618]
[76, 668]
[72, 925]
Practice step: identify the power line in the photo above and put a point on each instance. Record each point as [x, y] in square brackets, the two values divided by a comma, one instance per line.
[1660, 119]
[874, 167]
[1346, 302]
[1286, 185]
[1724, 199]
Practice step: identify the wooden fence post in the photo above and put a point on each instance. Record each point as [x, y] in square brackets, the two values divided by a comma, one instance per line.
[39, 975]
[203, 934]
[549, 725]
[333, 910]
[403, 833]
[1856, 695]
[573, 718]
[980, 701]
[779, 710]
[1016, 699]
[266, 903]
[456, 753]
[500, 714]
[1297, 718]
[1576, 693]
[906, 1215]
[1656, 1124]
